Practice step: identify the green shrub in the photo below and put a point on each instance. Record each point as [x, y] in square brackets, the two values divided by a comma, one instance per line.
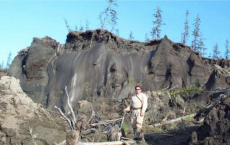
[188, 118]
[186, 91]
[132, 82]
[125, 127]
[151, 129]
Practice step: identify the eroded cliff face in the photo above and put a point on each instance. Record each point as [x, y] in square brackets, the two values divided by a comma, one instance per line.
[98, 63]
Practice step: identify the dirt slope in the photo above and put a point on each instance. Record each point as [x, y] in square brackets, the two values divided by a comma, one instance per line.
[19, 114]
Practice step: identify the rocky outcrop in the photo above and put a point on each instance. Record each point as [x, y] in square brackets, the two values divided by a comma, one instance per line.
[22, 121]
[98, 63]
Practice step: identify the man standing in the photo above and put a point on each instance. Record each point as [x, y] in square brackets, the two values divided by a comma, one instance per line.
[138, 105]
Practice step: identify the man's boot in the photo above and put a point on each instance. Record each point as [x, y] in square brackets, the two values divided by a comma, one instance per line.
[137, 133]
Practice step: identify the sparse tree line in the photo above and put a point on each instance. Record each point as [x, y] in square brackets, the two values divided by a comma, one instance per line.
[198, 40]
[109, 16]
[8, 62]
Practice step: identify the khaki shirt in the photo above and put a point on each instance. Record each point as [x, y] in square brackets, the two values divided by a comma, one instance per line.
[136, 103]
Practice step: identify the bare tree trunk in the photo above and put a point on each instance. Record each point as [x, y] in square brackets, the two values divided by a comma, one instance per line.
[72, 137]
[156, 34]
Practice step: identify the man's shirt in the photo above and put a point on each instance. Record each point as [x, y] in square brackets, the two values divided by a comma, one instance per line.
[140, 103]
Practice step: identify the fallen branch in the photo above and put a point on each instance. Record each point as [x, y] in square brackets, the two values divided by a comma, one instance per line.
[173, 120]
[71, 109]
[125, 138]
[100, 123]
[88, 138]
[114, 120]
[173, 88]
[165, 88]
[92, 115]
[88, 131]
[67, 119]
[105, 122]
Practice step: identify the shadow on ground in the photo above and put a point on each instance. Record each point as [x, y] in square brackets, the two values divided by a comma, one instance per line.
[175, 137]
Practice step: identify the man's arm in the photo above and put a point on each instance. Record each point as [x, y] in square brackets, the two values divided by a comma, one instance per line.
[145, 104]
[128, 108]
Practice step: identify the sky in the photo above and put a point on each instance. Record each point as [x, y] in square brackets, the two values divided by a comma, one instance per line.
[21, 21]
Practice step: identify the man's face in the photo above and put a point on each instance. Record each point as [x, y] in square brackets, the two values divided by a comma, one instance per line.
[138, 90]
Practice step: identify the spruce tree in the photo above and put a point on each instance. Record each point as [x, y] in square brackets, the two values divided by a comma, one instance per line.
[157, 24]
[113, 19]
[227, 50]
[8, 60]
[131, 35]
[182, 37]
[76, 28]
[109, 14]
[196, 34]
[146, 37]
[67, 25]
[185, 34]
[2, 65]
[81, 29]
[201, 47]
[216, 52]
[117, 32]
[86, 25]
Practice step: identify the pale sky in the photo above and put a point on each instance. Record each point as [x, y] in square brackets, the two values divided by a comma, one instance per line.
[23, 20]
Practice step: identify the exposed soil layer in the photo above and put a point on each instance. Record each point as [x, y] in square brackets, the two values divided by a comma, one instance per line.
[98, 63]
